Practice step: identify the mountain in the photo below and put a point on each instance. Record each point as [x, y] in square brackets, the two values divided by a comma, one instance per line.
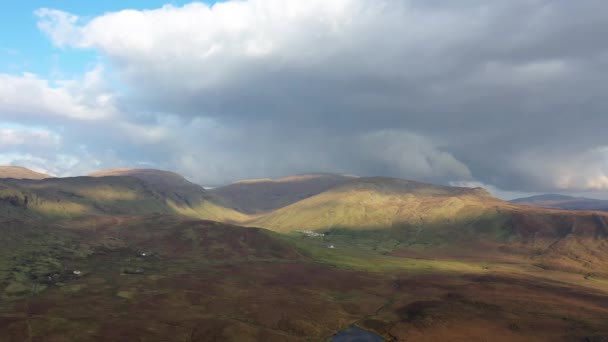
[394, 215]
[429, 212]
[183, 196]
[18, 172]
[61, 198]
[125, 256]
[169, 183]
[378, 202]
[257, 196]
[563, 202]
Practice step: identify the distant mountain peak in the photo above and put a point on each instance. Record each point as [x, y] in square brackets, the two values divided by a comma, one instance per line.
[255, 196]
[19, 172]
[563, 202]
[295, 178]
[398, 185]
[543, 197]
[150, 175]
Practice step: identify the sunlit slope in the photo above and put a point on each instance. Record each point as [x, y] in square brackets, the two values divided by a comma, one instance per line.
[378, 202]
[18, 172]
[263, 195]
[390, 214]
[182, 196]
[170, 184]
[58, 198]
[410, 218]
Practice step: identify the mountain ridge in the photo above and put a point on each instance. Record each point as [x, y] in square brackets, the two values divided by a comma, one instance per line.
[370, 202]
[388, 254]
[19, 172]
[264, 195]
[71, 197]
[563, 202]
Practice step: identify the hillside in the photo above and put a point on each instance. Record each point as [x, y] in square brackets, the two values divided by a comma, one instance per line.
[379, 202]
[430, 210]
[563, 202]
[398, 216]
[114, 258]
[60, 198]
[262, 195]
[18, 172]
[161, 178]
[170, 184]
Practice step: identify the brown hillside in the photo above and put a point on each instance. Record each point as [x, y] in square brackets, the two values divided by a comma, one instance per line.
[263, 195]
[18, 172]
[165, 180]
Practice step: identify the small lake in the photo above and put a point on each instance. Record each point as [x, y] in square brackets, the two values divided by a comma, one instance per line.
[356, 334]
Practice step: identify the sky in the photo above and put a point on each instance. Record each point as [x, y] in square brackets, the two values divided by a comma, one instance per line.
[508, 94]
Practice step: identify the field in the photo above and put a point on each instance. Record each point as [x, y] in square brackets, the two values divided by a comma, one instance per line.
[161, 277]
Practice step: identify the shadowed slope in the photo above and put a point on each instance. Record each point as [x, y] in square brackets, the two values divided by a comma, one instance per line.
[18, 172]
[170, 184]
[57, 198]
[30, 250]
[563, 202]
[263, 195]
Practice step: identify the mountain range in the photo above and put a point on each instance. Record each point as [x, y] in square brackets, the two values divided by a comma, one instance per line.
[295, 258]
[563, 202]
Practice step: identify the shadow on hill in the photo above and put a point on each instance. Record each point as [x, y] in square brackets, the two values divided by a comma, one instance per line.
[62, 198]
[550, 239]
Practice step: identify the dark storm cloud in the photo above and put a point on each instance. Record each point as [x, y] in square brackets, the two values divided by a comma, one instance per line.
[509, 93]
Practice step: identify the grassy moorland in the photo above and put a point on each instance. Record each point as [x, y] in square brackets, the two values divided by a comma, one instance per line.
[122, 258]
[161, 277]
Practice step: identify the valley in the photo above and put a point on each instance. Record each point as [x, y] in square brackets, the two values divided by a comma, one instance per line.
[147, 255]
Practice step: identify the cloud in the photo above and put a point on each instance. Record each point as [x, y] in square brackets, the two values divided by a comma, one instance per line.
[496, 192]
[26, 138]
[503, 92]
[587, 170]
[27, 97]
[397, 153]
[58, 25]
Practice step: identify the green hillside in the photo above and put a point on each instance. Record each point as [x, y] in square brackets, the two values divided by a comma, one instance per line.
[374, 203]
[400, 217]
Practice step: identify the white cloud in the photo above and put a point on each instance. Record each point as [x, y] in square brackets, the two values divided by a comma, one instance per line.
[58, 25]
[585, 170]
[496, 192]
[28, 138]
[198, 47]
[27, 96]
